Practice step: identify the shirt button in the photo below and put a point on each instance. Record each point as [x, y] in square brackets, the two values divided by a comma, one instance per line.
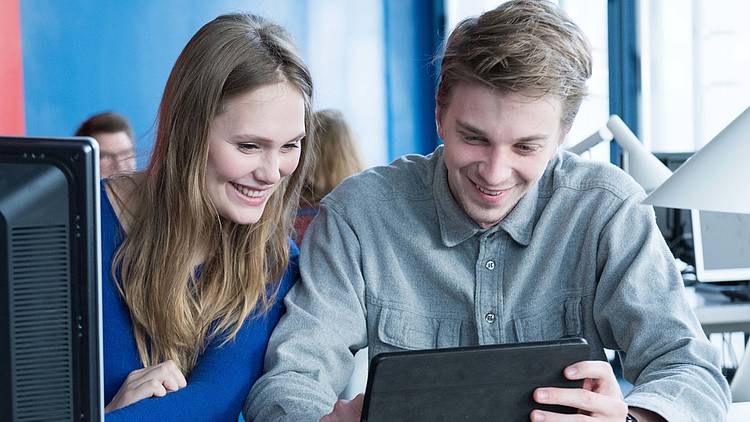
[490, 265]
[490, 318]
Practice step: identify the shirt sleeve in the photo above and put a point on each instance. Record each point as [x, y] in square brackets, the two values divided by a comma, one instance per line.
[220, 381]
[641, 309]
[310, 354]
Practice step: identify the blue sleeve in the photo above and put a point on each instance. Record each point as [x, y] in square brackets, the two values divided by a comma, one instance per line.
[221, 380]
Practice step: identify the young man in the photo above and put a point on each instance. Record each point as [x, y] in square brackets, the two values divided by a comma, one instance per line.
[115, 137]
[497, 236]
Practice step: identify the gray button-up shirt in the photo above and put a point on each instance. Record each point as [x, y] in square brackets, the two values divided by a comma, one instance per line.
[393, 262]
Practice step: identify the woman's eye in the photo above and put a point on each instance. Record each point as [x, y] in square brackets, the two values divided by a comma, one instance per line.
[248, 147]
[293, 145]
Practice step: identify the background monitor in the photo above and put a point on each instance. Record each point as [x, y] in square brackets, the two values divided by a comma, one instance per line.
[50, 302]
[716, 244]
[722, 246]
[675, 224]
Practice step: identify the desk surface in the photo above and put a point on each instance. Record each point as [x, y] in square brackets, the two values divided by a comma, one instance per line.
[739, 412]
[718, 314]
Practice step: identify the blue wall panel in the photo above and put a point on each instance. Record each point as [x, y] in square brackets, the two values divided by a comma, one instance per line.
[81, 57]
[413, 30]
[624, 67]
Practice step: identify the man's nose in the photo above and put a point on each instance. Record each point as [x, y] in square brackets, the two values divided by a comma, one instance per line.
[497, 168]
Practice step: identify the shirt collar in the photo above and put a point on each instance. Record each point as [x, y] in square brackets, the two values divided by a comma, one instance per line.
[519, 223]
[456, 227]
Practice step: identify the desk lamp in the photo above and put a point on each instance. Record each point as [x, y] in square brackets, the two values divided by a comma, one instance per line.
[716, 178]
[646, 169]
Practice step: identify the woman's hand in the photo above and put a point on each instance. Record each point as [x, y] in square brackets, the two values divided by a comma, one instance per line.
[599, 399]
[154, 381]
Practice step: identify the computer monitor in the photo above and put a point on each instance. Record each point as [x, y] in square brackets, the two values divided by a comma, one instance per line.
[717, 244]
[50, 301]
[722, 246]
[675, 224]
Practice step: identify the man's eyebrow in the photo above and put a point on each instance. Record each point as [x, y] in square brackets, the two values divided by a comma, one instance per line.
[470, 128]
[534, 138]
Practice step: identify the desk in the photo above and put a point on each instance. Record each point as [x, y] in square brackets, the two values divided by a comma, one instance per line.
[739, 412]
[717, 314]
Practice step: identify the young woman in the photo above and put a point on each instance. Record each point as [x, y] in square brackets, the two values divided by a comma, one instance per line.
[196, 248]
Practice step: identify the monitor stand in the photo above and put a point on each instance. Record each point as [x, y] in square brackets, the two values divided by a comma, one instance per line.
[737, 293]
[742, 293]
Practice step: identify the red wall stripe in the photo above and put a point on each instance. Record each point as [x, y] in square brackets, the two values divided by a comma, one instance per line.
[11, 69]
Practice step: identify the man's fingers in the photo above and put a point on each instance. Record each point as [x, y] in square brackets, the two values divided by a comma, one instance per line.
[600, 373]
[581, 399]
[541, 415]
[588, 369]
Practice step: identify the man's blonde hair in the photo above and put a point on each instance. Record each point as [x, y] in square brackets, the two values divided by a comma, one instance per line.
[529, 47]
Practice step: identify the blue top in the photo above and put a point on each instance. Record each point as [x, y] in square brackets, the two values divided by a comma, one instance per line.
[220, 381]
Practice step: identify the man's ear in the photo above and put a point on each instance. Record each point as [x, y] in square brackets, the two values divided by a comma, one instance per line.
[438, 124]
[563, 135]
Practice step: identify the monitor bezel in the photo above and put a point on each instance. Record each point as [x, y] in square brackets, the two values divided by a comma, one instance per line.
[54, 151]
[715, 275]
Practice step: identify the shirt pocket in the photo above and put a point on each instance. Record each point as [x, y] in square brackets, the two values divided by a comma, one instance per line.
[556, 320]
[402, 330]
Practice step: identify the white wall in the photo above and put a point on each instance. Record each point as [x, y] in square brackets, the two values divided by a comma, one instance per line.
[346, 58]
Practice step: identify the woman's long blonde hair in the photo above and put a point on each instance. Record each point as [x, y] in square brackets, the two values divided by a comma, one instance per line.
[176, 309]
[337, 156]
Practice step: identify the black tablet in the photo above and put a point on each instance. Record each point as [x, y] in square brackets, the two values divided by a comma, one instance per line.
[481, 383]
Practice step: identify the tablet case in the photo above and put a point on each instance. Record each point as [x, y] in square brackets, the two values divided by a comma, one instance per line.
[480, 383]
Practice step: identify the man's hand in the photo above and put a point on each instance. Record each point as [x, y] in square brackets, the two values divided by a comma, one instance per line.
[346, 410]
[600, 398]
[153, 381]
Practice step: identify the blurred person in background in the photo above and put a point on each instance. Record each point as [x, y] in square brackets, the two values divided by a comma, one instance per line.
[116, 142]
[337, 158]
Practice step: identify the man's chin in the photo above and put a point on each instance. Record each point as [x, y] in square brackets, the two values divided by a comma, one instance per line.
[486, 220]
[483, 215]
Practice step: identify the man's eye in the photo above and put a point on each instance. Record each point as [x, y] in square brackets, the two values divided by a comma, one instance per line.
[527, 148]
[473, 139]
